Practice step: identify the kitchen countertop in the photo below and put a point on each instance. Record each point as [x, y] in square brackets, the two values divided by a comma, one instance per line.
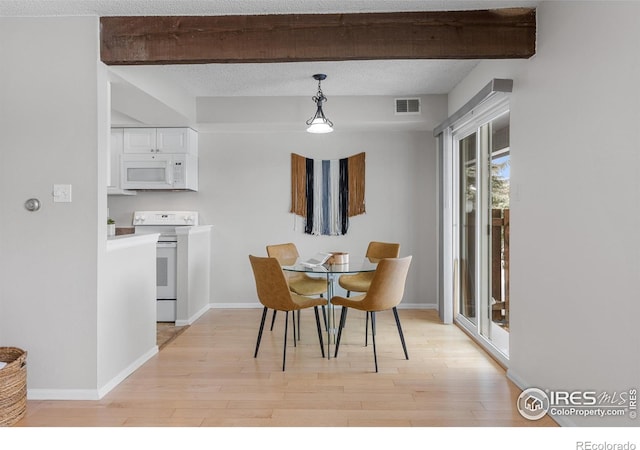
[131, 240]
[124, 230]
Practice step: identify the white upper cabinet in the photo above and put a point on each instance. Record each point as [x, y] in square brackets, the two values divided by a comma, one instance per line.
[176, 140]
[139, 140]
[160, 140]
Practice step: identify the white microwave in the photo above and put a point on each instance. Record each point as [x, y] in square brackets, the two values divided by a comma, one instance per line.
[169, 171]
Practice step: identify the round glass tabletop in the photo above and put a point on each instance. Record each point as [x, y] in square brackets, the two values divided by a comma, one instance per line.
[356, 266]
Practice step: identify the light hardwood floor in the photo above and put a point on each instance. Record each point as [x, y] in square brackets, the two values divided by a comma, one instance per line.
[207, 377]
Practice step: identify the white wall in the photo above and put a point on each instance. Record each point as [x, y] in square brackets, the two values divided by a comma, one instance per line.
[126, 324]
[244, 192]
[49, 133]
[575, 246]
[193, 273]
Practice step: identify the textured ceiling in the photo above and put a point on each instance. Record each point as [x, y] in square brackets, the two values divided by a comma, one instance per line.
[389, 77]
[227, 7]
[398, 78]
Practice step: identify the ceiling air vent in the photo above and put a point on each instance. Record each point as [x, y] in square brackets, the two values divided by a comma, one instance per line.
[407, 106]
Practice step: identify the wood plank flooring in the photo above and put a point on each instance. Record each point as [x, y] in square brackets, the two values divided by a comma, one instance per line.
[208, 377]
[167, 332]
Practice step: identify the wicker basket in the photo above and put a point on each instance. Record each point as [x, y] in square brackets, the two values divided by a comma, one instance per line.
[13, 385]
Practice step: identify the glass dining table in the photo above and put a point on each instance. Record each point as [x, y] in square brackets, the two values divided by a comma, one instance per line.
[332, 273]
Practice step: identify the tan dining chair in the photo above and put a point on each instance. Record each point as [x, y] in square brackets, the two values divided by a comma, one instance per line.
[360, 282]
[385, 292]
[299, 282]
[274, 293]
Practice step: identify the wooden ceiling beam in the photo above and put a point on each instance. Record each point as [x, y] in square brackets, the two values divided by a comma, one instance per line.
[480, 34]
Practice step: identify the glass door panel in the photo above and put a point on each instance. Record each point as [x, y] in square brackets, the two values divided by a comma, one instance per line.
[467, 205]
[498, 188]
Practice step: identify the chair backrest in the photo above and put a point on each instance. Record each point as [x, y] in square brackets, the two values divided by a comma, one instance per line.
[271, 284]
[387, 286]
[286, 254]
[379, 250]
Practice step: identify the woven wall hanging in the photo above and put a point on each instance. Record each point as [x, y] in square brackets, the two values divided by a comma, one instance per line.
[327, 192]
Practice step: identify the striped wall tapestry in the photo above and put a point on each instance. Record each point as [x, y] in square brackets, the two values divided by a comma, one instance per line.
[327, 192]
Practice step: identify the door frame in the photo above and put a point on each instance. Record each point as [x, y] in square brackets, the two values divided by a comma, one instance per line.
[490, 102]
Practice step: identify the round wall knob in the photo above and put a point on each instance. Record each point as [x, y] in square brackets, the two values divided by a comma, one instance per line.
[33, 204]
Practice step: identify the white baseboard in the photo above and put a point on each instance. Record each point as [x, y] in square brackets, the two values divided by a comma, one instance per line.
[193, 318]
[404, 305]
[91, 394]
[235, 305]
[104, 390]
[62, 394]
[258, 305]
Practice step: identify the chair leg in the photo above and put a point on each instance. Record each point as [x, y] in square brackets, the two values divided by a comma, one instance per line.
[366, 329]
[293, 322]
[348, 295]
[298, 324]
[315, 310]
[264, 315]
[373, 338]
[404, 347]
[273, 319]
[324, 317]
[284, 350]
[343, 318]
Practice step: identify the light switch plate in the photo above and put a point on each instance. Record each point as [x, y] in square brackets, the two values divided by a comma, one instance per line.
[62, 193]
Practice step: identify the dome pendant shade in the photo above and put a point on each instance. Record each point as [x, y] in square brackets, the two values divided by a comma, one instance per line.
[319, 123]
[319, 126]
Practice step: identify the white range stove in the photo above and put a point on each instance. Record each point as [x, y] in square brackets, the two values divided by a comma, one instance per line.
[165, 223]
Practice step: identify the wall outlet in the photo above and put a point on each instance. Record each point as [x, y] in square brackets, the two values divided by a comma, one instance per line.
[62, 193]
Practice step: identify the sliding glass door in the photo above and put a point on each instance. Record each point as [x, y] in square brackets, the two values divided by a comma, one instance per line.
[480, 191]
[467, 209]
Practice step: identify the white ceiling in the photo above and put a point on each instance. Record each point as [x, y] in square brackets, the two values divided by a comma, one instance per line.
[388, 77]
[397, 78]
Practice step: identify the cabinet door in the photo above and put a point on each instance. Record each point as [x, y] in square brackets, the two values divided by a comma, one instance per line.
[115, 150]
[140, 140]
[174, 140]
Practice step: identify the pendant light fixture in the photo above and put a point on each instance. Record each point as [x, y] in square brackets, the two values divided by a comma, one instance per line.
[319, 123]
